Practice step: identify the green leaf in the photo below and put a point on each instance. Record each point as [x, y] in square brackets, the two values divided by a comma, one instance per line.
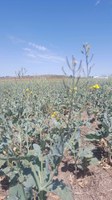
[29, 183]
[94, 161]
[60, 189]
[37, 149]
[86, 153]
[93, 137]
[16, 193]
[2, 162]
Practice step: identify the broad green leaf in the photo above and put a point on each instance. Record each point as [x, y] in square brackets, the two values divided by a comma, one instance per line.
[37, 149]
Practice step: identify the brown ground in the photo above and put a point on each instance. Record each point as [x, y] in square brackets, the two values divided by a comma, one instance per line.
[96, 184]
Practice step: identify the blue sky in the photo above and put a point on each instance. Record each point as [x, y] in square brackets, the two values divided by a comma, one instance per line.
[39, 34]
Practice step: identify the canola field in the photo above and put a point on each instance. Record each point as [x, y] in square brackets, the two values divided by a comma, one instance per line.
[40, 120]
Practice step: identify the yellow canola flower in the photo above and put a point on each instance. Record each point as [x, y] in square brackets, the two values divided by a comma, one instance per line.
[96, 86]
[55, 115]
[73, 90]
[28, 91]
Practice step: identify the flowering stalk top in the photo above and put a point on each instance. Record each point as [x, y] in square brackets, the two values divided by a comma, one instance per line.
[96, 86]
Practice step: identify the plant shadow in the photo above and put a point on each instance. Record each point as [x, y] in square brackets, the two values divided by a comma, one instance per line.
[78, 173]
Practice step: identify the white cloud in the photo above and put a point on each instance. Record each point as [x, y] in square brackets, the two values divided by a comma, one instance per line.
[44, 57]
[36, 52]
[36, 46]
[31, 55]
[50, 57]
[97, 2]
[27, 49]
[29, 52]
[16, 39]
[41, 53]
